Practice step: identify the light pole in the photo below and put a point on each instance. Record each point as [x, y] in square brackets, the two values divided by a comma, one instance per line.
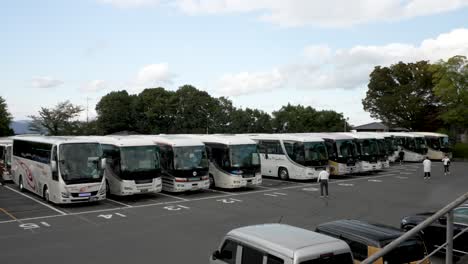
[345, 121]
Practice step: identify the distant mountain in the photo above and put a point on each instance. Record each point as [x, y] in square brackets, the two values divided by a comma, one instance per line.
[21, 127]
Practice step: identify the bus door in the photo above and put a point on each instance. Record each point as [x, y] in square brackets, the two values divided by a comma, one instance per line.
[272, 156]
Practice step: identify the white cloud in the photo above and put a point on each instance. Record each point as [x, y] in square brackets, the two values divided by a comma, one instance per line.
[45, 82]
[153, 74]
[335, 13]
[131, 3]
[94, 86]
[343, 68]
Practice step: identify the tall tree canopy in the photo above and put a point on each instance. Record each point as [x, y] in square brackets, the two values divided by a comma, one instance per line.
[116, 112]
[60, 120]
[5, 119]
[402, 95]
[451, 86]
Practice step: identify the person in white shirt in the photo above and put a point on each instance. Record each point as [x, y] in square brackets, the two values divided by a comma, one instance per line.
[446, 162]
[427, 168]
[323, 179]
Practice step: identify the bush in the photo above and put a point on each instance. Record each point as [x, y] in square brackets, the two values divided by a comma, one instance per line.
[460, 150]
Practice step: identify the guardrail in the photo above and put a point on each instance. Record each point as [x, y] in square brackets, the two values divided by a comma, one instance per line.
[448, 209]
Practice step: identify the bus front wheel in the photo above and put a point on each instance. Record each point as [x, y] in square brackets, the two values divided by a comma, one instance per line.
[21, 186]
[283, 174]
[46, 194]
[212, 181]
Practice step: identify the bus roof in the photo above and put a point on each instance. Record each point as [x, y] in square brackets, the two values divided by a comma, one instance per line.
[224, 139]
[333, 136]
[404, 134]
[291, 137]
[175, 140]
[430, 134]
[123, 141]
[55, 139]
[363, 135]
[374, 234]
[287, 240]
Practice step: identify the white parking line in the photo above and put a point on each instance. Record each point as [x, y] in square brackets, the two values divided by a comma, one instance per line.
[218, 191]
[263, 187]
[37, 201]
[117, 202]
[172, 196]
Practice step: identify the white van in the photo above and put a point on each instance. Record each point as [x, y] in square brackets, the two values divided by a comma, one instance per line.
[280, 244]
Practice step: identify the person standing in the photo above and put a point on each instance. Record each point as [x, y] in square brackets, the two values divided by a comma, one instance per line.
[401, 155]
[2, 168]
[323, 179]
[446, 162]
[427, 168]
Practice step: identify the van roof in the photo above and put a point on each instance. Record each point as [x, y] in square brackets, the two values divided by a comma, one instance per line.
[374, 234]
[288, 240]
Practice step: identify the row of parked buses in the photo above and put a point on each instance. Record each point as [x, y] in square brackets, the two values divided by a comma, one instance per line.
[87, 168]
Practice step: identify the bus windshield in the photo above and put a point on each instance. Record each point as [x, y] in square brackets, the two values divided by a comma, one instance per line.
[243, 156]
[346, 148]
[382, 147]
[369, 147]
[80, 162]
[192, 157]
[307, 153]
[140, 158]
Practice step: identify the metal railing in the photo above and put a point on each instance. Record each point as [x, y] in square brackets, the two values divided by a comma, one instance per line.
[448, 209]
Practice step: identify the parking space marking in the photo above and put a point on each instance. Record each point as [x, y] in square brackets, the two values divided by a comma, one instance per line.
[37, 201]
[218, 191]
[346, 184]
[117, 202]
[311, 189]
[182, 200]
[374, 180]
[401, 177]
[173, 196]
[7, 213]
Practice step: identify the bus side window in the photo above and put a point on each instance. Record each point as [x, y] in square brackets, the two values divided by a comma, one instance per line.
[274, 260]
[251, 256]
[228, 252]
[54, 158]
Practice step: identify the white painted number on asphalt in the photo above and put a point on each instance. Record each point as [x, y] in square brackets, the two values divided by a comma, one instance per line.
[310, 189]
[176, 207]
[109, 216]
[346, 184]
[28, 226]
[229, 200]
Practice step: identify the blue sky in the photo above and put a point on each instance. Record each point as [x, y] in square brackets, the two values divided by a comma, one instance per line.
[259, 53]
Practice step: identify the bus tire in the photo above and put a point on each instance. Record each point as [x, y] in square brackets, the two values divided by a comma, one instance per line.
[20, 184]
[45, 194]
[283, 174]
[212, 181]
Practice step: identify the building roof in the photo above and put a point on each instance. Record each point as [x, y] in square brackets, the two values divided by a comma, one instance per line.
[372, 126]
[285, 239]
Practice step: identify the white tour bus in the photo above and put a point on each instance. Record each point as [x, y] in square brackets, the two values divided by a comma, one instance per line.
[133, 165]
[414, 146]
[184, 163]
[60, 169]
[234, 161]
[384, 150]
[290, 156]
[392, 148]
[342, 153]
[368, 149]
[437, 145]
[5, 158]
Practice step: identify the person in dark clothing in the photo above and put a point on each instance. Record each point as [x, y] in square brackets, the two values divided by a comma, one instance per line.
[401, 155]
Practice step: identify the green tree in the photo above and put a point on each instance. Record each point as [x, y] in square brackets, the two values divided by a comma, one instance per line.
[250, 121]
[330, 121]
[155, 110]
[295, 119]
[116, 112]
[59, 120]
[450, 80]
[402, 95]
[5, 119]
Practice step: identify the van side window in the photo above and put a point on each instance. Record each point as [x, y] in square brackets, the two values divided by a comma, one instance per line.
[271, 147]
[274, 260]
[251, 256]
[228, 252]
[54, 158]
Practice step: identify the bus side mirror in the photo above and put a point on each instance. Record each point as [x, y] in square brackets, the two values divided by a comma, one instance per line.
[103, 163]
[215, 255]
[266, 155]
[53, 165]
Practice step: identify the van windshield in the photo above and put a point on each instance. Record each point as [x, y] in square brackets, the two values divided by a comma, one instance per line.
[344, 258]
[407, 252]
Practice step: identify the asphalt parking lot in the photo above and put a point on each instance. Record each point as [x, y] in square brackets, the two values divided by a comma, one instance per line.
[187, 227]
